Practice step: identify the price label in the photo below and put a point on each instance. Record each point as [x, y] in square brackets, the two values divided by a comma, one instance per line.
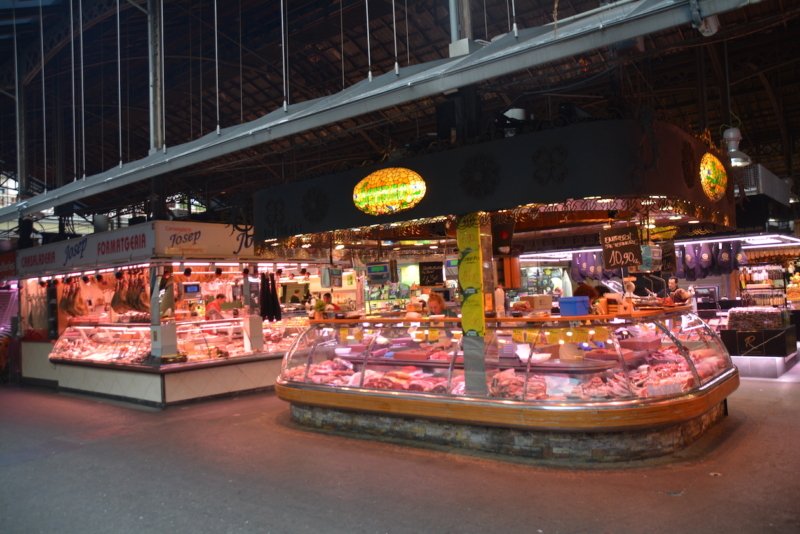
[620, 247]
[533, 336]
[358, 334]
[600, 334]
[518, 335]
[551, 335]
[433, 334]
[580, 335]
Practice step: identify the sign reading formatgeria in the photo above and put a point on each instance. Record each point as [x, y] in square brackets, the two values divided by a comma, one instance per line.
[389, 191]
[713, 177]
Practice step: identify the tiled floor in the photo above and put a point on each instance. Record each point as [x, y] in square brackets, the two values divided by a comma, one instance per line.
[78, 464]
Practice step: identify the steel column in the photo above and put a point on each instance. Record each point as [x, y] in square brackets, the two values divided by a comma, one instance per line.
[61, 143]
[156, 56]
[22, 134]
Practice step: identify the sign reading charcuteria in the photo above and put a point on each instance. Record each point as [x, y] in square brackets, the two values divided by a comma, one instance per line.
[389, 191]
[713, 177]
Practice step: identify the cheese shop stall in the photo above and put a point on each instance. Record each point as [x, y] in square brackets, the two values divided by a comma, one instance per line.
[156, 314]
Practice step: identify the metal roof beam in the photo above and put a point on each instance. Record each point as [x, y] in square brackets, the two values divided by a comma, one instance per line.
[536, 46]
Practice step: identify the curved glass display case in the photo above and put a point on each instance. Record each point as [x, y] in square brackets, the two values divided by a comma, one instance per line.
[599, 362]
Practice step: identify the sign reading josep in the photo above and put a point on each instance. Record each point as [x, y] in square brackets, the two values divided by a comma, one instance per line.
[191, 239]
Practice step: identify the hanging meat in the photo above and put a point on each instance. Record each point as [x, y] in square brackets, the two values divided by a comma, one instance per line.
[263, 298]
[144, 295]
[276, 303]
[63, 304]
[132, 294]
[118, 300]
[79, 305]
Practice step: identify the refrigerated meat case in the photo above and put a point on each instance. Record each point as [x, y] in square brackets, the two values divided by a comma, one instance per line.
[205, 341]
[557, 380]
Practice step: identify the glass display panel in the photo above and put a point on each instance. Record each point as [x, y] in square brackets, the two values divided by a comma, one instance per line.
[558, 361]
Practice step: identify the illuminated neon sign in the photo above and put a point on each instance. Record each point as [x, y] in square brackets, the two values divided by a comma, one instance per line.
[713, 177]
[389, 191]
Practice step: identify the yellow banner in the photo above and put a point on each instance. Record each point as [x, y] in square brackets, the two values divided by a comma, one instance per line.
[470, 278]
[518, 335]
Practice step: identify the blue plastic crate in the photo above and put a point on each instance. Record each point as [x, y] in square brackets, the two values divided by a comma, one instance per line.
[571, 306]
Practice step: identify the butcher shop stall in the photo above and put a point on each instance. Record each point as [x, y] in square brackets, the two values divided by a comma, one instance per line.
[157, 313]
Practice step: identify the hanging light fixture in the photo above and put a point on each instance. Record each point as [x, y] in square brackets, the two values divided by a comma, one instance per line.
[731, 138]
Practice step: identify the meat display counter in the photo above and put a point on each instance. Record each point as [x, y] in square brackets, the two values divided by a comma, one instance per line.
[202, 341]
[647, 384]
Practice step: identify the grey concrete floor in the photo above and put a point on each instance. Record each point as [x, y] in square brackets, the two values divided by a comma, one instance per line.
[82, 465]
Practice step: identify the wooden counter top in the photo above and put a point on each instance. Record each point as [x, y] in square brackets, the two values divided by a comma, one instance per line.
[673, 310]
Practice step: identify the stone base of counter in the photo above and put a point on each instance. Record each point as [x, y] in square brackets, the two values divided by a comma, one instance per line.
[547, 445]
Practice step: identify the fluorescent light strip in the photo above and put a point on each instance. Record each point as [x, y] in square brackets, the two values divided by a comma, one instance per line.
[793, 244]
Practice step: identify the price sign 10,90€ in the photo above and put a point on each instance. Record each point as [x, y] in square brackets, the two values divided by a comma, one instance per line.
[620, 247]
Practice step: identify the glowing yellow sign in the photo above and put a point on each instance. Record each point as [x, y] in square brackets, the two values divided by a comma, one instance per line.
[713, 177]
[389, 191]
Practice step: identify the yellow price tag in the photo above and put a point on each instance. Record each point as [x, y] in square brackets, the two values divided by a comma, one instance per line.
[358, 334]
[518, 335]
[601, 333]
[580, 335]
[551, 336]
[532, 336]
[433, 334]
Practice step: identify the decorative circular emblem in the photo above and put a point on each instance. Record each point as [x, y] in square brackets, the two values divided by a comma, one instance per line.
[314, 205]
[389, 191]
[273, 212]
[713, 177]
[480, 175]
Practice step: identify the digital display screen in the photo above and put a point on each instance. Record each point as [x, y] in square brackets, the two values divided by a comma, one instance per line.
[451, 263]
[377, 269]
[191, 288]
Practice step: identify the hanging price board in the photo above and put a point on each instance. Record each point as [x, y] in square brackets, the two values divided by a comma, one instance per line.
[620, 247]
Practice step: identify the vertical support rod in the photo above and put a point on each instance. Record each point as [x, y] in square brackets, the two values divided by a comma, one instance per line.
[702, 97]
[22, 136]
[727, 111]
[454, 20]
[465, 18]
[61, 142]
[156, 59]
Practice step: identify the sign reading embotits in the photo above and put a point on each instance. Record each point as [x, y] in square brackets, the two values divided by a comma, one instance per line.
[713, 177]
[389, 191]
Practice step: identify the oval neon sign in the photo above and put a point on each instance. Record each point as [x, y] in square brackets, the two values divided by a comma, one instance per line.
[713, 177]
[389, 191]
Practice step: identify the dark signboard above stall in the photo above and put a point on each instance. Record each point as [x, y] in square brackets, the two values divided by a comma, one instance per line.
[587, 160]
